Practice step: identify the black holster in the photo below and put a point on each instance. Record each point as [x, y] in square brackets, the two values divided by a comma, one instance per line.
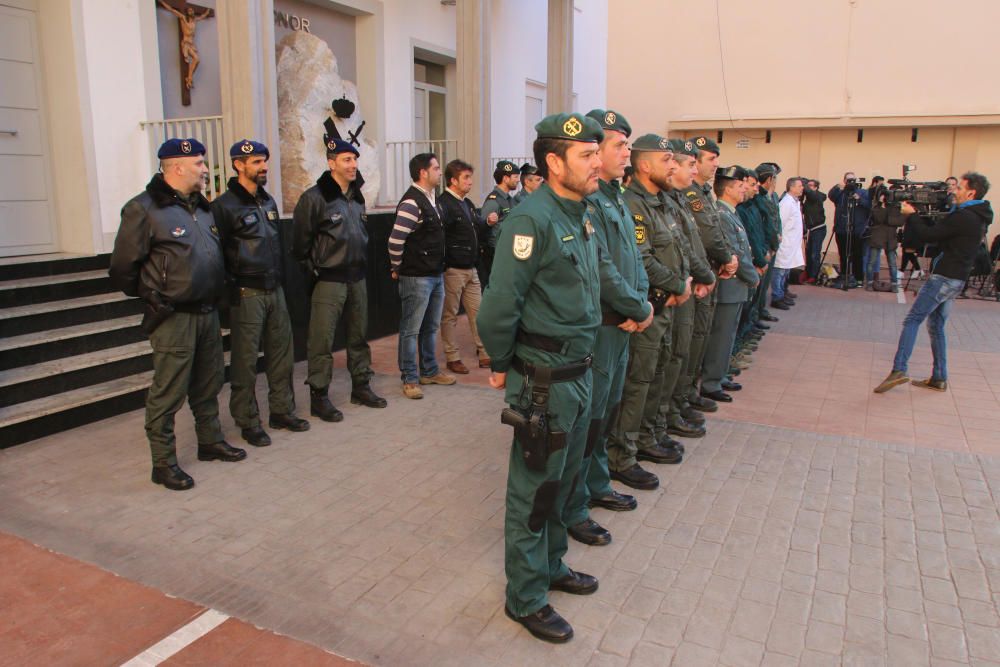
[658, 299]
[155, 313]
[532, 429]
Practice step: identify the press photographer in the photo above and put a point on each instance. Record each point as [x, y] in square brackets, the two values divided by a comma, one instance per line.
[885, 220]
[852, 208]
[814, 213]
[958, 236]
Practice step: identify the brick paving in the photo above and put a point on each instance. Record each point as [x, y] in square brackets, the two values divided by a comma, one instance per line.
[774, 543]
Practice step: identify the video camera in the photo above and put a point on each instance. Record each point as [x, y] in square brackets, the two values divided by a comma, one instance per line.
[852, 184]
[930, 198]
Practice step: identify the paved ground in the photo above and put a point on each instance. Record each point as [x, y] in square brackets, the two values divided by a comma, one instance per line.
[799, 531]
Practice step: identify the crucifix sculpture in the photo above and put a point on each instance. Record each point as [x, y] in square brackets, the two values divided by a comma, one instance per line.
[188, 16]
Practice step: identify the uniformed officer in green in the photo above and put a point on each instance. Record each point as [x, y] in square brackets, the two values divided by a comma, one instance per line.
[538, 320]
[496, 206]
[331, 240]
[632, 439]
[625, 308]
[530, 180]
[676, 417]
[703, 206]
[247, 218]
[168, 253]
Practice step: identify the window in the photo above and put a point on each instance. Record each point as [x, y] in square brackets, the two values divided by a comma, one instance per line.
[428, 101]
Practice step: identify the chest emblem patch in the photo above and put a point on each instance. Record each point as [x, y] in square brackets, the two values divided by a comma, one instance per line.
[523, 245]
[640, 234]
[214, 230]
[272, 215]
[697, 205]
[178, 232]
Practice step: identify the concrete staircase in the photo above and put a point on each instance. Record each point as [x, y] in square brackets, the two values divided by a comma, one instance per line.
[71, 350]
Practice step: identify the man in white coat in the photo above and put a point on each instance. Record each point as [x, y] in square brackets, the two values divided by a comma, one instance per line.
[790, 250]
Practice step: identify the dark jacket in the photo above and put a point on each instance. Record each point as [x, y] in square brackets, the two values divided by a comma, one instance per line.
[957, 236]
[753, 224]
[770, 217]
[814, 209]
[462, 231]
[248, 225]
[423, 252]
[331, 230]
[862, 210]
[883, 233]
[170, 246]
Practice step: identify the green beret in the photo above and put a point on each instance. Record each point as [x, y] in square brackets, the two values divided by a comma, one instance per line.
[770, 168]
[611, 120]
[570, 126]
[505, 167]
[734, 173]
[683, 147]
[652, 143]
[706, 144]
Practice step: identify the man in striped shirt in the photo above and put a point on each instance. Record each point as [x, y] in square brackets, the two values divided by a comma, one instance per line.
[416, 258]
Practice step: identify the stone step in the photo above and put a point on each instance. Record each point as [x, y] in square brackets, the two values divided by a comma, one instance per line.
[41, 289]
[67, 333]
[36, 317]
[29, 266]
[40, 281]
[37, 347]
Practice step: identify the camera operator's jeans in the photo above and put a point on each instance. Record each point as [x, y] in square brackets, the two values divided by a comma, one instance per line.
[814, 251]
[933, 303]
[873, 268]
[422, 300]
[779, 283]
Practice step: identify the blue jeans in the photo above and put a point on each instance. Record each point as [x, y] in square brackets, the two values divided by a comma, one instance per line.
[814, 251]
[872, 265]
[779, 283]
[933, 303]
[422, 299]
[873, 262]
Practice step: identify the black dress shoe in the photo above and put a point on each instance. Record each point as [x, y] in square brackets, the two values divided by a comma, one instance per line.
[320, 406]
[731, 386]
[616, 502]
[788, 302]
[720, 396]
[692, 416]
[546, 624]
[637, 478]
[762, 326]
[768, 317]
[575, 583]
[256, 436]
[703, 404]
[669, 443]
[657, 453]
[363, 395]
[590, 532]
[780, 305]
[172, 477]
[220, 451]
[289, 421]
[685, 429]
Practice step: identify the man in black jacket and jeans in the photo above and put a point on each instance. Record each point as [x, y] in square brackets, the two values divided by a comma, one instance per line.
[462, 231]
[247, 218]
[814, 212]
[331, 239]
[849, 231]
[958, 236]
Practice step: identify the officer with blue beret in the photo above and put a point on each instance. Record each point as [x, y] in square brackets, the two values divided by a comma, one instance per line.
[168, 253]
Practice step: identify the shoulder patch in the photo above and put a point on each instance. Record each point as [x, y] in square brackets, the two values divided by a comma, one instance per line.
[637, 217]
[523, 245]
[640, 234]
[492, 196]
[696, 205]
[691, 193]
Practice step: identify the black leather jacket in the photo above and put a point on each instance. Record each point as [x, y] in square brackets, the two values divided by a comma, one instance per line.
[331, 230]
[168, 245]
[248, 225]
[461, 233]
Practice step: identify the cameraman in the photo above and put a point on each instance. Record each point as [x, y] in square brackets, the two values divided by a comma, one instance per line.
[884, 222]
[849, 232]
[958, 236]
[814, 211]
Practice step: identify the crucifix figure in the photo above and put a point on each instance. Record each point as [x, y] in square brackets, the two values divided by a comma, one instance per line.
[188, 16]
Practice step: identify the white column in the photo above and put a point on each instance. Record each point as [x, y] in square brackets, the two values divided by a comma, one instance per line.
[474, 78]
[559, 77]
[249, 79]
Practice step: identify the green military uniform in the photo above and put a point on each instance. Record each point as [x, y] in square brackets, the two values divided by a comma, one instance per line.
[624, 290]
[767, 204]
[677, 377]
[498, 202]
[701, 203]
[754, 224]
[667, 268]
[541, 313]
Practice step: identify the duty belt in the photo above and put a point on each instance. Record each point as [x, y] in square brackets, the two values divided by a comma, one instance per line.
[254, 291]
[540, 341]
[551, 374]
[195, 308]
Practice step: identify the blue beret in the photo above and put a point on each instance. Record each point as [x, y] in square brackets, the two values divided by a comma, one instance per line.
[336, 146]
[180, 148]
[248, 147]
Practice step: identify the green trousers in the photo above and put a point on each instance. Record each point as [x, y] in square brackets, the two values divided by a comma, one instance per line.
[609, 365]
[704, 312]
[720, 345]
[329, 301]
[681, 334]
[535, 538]
[646, 351]
[187, 363]
[261, 316]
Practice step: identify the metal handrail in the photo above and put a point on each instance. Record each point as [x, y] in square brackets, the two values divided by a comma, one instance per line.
[206, 129]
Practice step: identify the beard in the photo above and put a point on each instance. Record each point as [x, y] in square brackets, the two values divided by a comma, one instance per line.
[582, 184]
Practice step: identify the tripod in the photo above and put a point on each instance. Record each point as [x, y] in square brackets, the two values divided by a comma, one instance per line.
[847, 260]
